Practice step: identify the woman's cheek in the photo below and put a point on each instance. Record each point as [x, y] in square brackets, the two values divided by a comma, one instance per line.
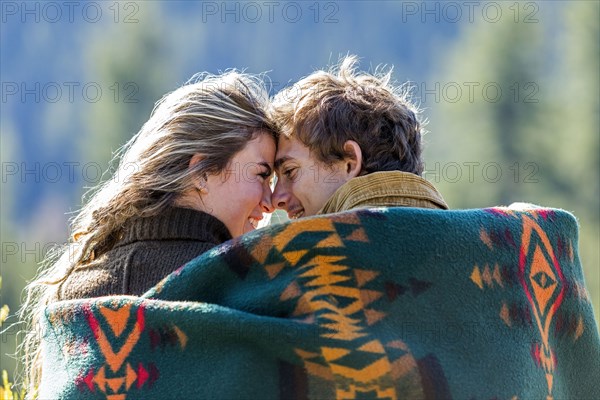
[253, 194]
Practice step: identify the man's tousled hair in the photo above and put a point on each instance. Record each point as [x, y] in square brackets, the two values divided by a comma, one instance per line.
[327, 108]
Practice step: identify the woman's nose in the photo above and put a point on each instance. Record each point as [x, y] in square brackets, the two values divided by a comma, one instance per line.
[265, 203]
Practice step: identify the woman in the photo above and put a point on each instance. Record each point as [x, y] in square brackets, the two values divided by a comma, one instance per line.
[197, 174]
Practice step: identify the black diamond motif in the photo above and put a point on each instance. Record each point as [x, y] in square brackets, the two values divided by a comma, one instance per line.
[543, 280]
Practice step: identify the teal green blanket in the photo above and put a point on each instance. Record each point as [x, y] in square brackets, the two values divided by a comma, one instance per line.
[393, 303]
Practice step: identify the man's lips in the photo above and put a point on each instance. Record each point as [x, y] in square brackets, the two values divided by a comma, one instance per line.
[295, 214]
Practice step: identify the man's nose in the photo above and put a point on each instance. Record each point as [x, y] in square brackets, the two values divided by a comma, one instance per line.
[280, 197]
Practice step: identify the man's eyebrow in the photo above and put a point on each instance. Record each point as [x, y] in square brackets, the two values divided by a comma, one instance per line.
[280, 161]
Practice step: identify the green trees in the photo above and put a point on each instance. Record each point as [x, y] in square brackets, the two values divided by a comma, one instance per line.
[135, 74]
[528, 129]
[514, 104]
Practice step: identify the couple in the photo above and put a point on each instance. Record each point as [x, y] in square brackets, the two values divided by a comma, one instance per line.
[204, 163]
[417, 302]
[202, 171]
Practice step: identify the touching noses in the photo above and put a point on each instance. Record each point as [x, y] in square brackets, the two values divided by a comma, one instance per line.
[280, 197]
[265, 201]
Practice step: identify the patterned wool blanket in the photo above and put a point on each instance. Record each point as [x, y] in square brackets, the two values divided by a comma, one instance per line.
[394, 303]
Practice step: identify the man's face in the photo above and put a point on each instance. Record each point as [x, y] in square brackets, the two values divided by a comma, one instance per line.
[303, 184]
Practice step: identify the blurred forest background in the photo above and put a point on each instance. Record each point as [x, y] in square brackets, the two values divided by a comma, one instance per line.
[510, 89]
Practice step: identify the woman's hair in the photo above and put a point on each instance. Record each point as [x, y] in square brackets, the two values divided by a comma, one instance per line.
[327, 108]
[214, 115]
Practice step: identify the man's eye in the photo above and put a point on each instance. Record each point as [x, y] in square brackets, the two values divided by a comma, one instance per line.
[288, 172]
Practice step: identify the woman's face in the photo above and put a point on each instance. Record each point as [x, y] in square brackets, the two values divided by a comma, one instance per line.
[240, 194]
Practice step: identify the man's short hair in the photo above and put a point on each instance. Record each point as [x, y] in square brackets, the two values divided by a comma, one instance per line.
[327, 108]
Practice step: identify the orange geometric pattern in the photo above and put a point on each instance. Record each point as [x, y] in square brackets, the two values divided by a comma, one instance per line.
[117, 376]
[120, 380]
[542, 279]
[540, 276]
[115, 359]
[331, 294]
[488, 276]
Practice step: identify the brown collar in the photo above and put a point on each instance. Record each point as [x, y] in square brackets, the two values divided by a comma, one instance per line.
[385, 189]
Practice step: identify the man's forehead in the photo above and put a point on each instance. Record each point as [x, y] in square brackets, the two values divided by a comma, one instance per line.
[290, 149]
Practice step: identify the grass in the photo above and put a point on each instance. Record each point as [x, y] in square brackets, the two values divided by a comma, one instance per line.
[6, 389]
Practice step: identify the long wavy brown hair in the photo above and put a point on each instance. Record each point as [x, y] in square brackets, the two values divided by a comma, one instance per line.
[215, 115]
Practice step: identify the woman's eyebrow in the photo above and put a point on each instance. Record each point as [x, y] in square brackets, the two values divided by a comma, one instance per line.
[267, 166]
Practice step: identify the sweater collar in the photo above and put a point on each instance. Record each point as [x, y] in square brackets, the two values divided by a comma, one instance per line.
[176, 224]
[384, 188]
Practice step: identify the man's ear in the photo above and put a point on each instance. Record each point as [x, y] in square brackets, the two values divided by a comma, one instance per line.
[353, 159]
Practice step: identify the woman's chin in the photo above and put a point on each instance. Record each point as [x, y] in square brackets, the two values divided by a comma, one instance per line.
[248, 227]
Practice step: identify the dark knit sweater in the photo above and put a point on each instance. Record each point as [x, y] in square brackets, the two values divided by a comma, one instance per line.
[151, 248]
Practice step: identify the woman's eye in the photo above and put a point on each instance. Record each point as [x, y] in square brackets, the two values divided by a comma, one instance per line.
[265, 175]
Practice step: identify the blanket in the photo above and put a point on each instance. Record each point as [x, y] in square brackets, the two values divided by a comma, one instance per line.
[387, 303]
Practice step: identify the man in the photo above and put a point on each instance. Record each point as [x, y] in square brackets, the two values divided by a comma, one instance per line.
[347, 141]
